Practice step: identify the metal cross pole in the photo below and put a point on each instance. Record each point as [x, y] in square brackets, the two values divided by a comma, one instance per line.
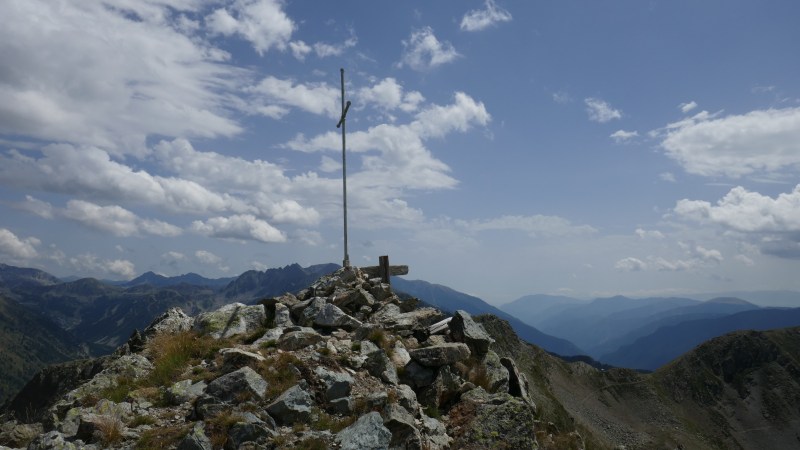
[345, 107]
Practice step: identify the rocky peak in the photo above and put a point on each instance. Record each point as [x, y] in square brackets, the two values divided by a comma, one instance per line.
[344, 363]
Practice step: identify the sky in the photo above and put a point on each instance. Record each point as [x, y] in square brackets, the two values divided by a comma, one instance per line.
[501, 148]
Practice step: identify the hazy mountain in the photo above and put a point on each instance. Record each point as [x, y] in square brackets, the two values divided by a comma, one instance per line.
[539, 308]
[667, 343]
[788, 299]
[157, 280]
[13, 277]
[450, 300]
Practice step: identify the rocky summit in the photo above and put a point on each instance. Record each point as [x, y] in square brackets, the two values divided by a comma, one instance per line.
[344, 363]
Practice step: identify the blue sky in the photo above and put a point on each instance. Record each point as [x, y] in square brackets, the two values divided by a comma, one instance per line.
[501, 148]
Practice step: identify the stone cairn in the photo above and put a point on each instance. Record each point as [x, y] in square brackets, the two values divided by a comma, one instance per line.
[370, 370]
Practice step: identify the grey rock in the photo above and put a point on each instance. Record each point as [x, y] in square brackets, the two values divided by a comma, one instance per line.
[381, 291]
[235, 358]
[273, 334]
[379, 365]
[53, 440]
[496, 372]
[343, 406]
[172, 321]
[440, 355]
[444, 391]
[294, 405]
[400, 356]
[296, 340]
[337, 384]
[20, 434]
[185, 391]
[495, 420]
[242, 432]
[230, 320]
[434, 434]
[367, 432]
[330, 316]
[407, 398]
[517, 382]
[417, 375]
[283, 317]
[464, 329]
[401, 424]
[307, 315]
[196, 439]
[234, 385]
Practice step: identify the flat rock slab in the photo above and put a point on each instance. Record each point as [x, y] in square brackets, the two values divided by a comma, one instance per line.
[330, 316]
[231, 385]
[230, 320]
[294, 405]
[440, 355]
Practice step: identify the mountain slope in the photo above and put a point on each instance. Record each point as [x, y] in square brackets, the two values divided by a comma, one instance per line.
[449, 299]
[254, 285]
[29, 342]
[539, 308]
[194, 279]
[667, 343]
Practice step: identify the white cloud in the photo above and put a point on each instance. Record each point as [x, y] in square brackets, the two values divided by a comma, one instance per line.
[630, 264]
[15, 247]
[535, 226]
[744, 259]
[736, 145]
[155, 80]
[653, 234]
[686, 107]
[479, 19]
[667, 176]
[623, 136]
[299, 49]
[116, 220]
[206, 257]
[600, 111]
[173, 256]
[324, 50]
[388, 95]
[423, 51]
[37, 207]
[92, 264]
[316, 98]
[263, 23]
[241, 227]
[745, 211]
[562, 97]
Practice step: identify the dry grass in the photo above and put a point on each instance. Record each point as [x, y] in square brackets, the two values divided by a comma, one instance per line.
[110, 428]
[161, 438]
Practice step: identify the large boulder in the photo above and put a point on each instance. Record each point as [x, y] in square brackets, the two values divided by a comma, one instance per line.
[368, 432]
[401, 423]
[234, 385]
[184, 391]
[337, 384]
[230, 320]
[517, 381]
[464, 329]
[483, 420]
[196, 439]
[440, 355]
[330, 316]
[293, 406]
[283, 316]
[379, 365]
[302, 338]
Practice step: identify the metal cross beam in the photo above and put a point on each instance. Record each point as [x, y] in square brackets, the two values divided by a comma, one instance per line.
[345, 108]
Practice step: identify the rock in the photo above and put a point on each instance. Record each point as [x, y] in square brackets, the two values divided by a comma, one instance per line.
[434, 434]
[294, 405]
[196, 439]
[54, 440]
[343, 406]
[440, 355]
[379, 365]
[295, 340]
[184, 391]
[283, 317]
[21, 434]
[92, 426]
[173, 321]
[367, 432]
[354, 299]
[417, 375]
[330, 316]
[489, 421]
[235, 358]
[401, 424]
[232, 386]
[419, 319]
[273, 334]
[230, 320]
[444, 391]
[337, 384]
[400, 356]
[407, 398]
[464, 329]
[440, 327]
[242, 432]
[305, 317]
[517, 383]
[495, 372]
[381, 291]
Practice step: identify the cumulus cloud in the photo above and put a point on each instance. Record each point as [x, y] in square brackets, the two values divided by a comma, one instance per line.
[686, 107]
[667, 176]
[630, 264]
[316, 98]
[764, 141]
[620, 136]
[388, 94]
[480, 19]
[206, 257]
[155, 80]
[241, 227]
[600, 111]
[17, 248]
[423, 51]
[263, 23]
[37, 207]
[89, 263]
[116, 220]
[651, 234]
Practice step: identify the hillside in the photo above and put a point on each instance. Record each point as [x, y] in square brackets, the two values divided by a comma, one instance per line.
[667, 343]
[449, 299]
